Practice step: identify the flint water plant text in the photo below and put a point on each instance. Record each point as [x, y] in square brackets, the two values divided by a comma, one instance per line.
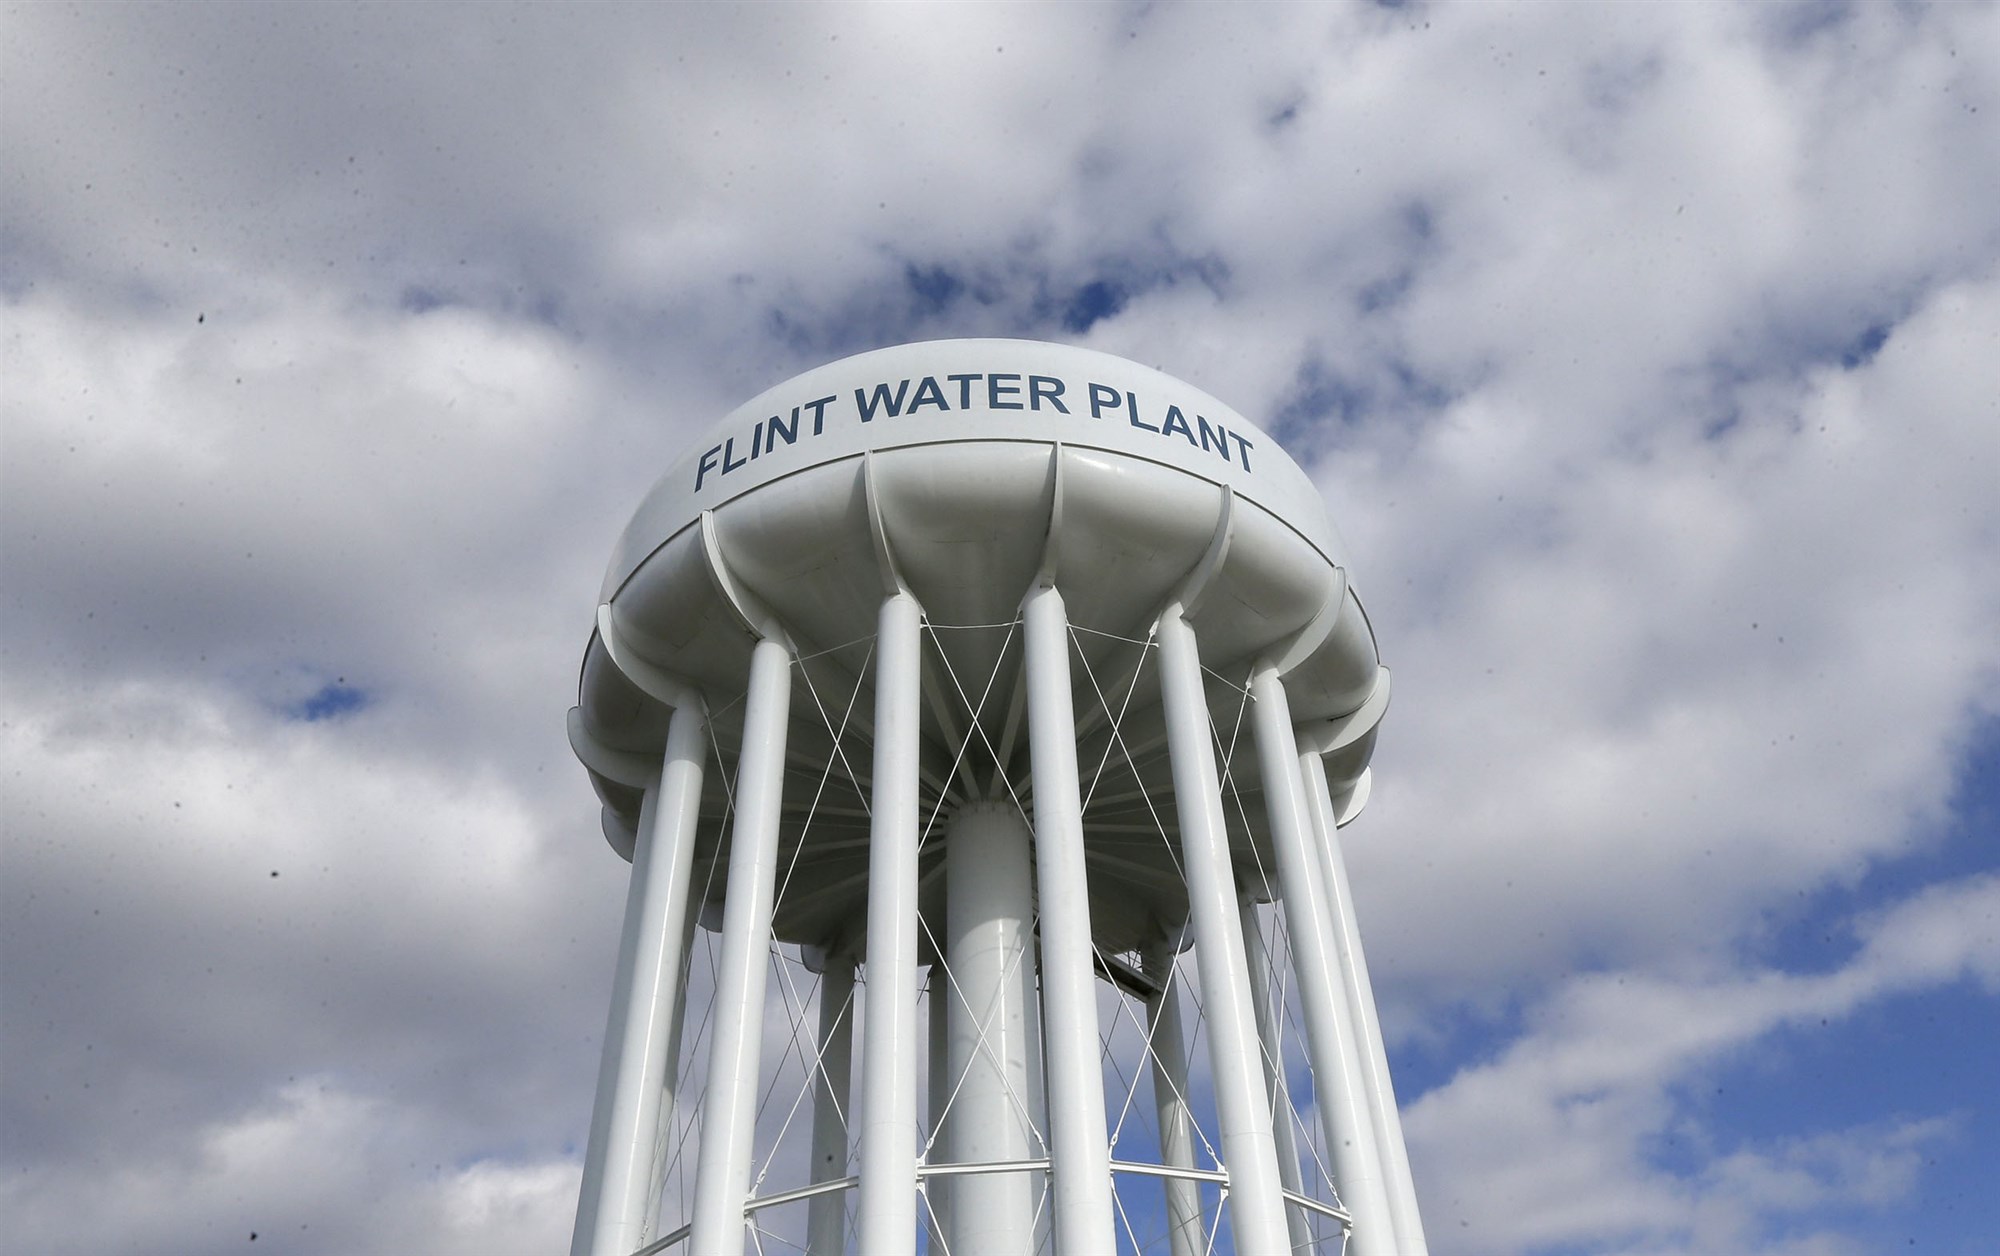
[992, 391]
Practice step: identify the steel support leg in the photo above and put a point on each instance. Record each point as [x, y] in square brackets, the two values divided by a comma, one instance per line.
[671, 1070]
[1168, 1043]
[1270, 1023]
[1330, 1039]
[1360, 993]
[1256, 1199]
[887, 1218]
[1079, 1144]
[937, 1190]
[826, 1215]
[634, 1081]
[729, 1116]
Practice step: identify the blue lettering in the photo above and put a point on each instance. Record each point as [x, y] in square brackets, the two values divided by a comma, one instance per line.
[867, 406]
[928, 394]
[994, 392]
[1053, 393]
[706, 465]
[1100, 397]
[1242, 449]
[776, 425]
[757, 439]
[819, 413]
[1177, 422]
[964, 383]
[728, 448]
[1132, 412]
[1216, 437]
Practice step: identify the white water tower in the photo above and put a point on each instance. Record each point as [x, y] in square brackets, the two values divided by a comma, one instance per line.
[978, 717]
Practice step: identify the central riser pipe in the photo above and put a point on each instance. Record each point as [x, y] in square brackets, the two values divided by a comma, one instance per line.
[993, 1053]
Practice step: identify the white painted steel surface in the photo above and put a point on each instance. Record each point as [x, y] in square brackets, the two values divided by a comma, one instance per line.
[888, 1123]
[1080, 1152]
[1256, 1201]
[722, 1181]
[916, 585]
[1337, 1069]
[1257, 962]
[1360, 995]
[995, 1112]
[1167, 1041]
[636, 1079]
[937, 1190]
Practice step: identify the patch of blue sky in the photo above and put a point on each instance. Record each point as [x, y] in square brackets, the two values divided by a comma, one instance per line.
[1817, 933]
[1418, 221]
[1097, 300]
[533, 300]
[1789, 346]
[1915, 1058]
[1118, 281]
[1321, 393]
[422, 299]
[1864, 347]
[1012, 294]
[1715, 388]
[1454, 1039]
[546, 308]
[331, 701]
[1923, 1055]
[1380, 295]
[1412, 240]
[1794, 24]
[1848, 335]
[934, 286]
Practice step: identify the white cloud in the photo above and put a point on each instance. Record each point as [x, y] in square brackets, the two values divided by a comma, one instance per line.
[1706, 653]
[312, 1168]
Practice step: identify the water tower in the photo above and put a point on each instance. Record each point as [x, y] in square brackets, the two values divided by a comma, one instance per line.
[978, 717]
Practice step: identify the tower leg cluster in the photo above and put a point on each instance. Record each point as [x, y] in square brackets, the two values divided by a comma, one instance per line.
[1016, 1149]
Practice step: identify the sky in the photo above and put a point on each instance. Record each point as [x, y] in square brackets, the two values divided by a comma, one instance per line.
[1648, 357]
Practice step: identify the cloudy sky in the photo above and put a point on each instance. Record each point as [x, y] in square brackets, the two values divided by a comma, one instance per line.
[1649, 357]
